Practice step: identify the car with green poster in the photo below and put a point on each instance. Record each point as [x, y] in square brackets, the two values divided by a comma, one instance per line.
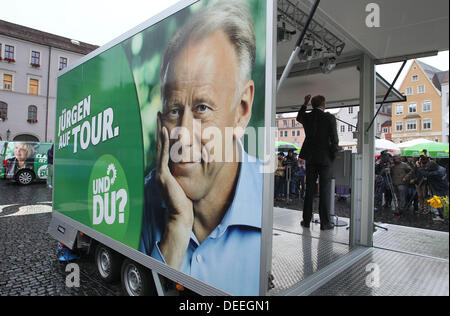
[24, 162]
[2, 156]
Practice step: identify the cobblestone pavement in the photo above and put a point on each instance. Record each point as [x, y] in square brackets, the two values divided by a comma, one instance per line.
[28, 261]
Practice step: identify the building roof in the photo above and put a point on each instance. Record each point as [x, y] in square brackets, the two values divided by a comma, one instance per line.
[43, 38]
[440, 78]
[437, 77]
[430, 71]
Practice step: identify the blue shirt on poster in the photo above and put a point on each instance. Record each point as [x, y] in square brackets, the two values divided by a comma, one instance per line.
[229, 258]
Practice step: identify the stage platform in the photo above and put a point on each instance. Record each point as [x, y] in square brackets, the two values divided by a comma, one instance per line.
[403, 261]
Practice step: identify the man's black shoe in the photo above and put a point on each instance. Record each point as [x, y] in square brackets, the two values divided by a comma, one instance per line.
[327, 227]
[304, 224]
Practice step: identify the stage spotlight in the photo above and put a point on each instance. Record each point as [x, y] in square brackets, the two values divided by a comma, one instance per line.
[283, 34]
[328, 65]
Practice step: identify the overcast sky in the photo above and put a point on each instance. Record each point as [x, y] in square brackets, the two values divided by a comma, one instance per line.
[92, 21]
[100, 21]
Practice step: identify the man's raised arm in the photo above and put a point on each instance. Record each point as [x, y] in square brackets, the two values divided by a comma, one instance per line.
[302, 112]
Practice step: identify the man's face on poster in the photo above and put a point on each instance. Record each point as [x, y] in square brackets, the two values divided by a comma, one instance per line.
[203, 90]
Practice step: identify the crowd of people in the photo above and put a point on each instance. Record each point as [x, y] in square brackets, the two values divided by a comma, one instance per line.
[406, 183]
[402, 184]
[290, 173]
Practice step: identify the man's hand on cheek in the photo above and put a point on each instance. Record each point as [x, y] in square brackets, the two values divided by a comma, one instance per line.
[180, 209]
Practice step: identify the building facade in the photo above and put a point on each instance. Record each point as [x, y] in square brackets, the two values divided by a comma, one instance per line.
[424, 114]
[347, 125]
[30, 61]
[289, 130]
[445, 105]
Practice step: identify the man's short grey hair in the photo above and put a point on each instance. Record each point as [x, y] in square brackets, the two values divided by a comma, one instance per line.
[230, 16]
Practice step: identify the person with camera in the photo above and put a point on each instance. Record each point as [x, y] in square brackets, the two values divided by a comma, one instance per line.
[280, 177]
[382, 167]
[291, 165]
[421, 185]
[437, 180]
[400, 173]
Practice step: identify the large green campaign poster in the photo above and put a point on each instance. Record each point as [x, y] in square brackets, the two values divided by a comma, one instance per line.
[122, 120]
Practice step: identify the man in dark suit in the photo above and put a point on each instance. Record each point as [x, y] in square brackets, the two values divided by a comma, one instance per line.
[319, 149]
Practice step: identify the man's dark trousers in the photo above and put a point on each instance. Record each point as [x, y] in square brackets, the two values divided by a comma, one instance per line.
[313, 171]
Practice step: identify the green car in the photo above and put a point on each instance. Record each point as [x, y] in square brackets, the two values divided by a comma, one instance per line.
[24, 162]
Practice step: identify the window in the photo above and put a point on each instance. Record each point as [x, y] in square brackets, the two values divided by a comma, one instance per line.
[409, 91]
[350, 128]
[421, 89]
[426, 106]
[9, 52]
[412, 108]
[399, 110]
[342, 128]
[399, 126]
[298, 133]
[34, 87]
[350, 110]
[385, 130]
[293, 133]
[285, 123]
[285, 134]
[415, 78]
[32, 114]
[426, 124]
[62, 63]
[281, 134]
[3, 110]
[293, 123]
[35, 58]
[411, 125]
[7, 82]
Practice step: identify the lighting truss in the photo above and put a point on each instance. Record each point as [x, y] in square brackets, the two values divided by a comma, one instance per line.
[325, 43]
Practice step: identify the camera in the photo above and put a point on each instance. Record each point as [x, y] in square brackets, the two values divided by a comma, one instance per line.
[424, 160]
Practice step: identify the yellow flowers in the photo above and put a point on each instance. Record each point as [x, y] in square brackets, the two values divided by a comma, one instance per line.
[440, 202]
[435, 202]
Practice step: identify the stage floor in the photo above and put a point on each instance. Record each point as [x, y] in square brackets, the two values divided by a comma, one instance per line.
[406, 261]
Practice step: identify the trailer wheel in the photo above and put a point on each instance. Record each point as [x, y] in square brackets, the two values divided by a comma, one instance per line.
[136, 279]
[108, 264]
[25, 177]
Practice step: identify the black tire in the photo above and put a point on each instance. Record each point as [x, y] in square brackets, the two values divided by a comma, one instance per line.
[108, 263]
[25, 177]
[136, 280]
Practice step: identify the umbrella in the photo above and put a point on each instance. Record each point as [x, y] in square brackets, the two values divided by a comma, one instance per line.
[286, 146]
[434, 150]
[384, 144]
[348, 144]
[413, 143]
